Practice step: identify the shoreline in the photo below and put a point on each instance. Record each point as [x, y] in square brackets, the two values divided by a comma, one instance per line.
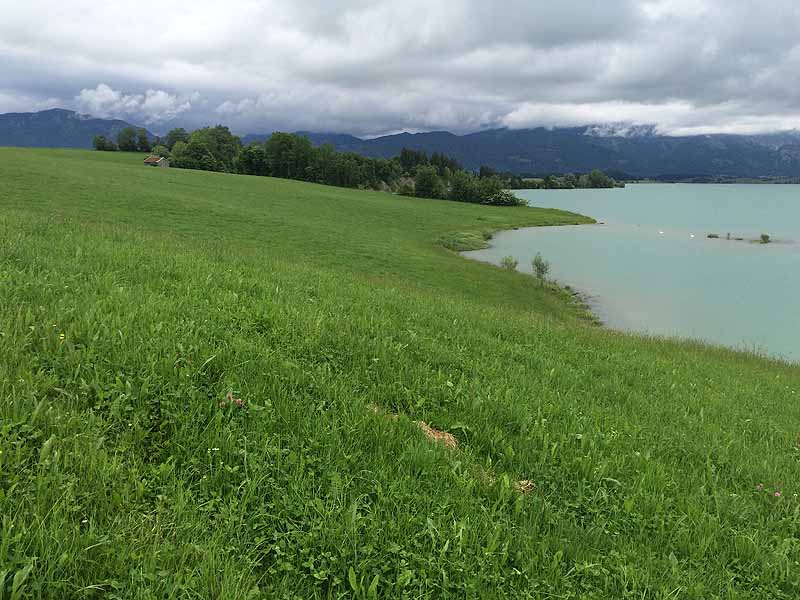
[579, 300]
[586, 304]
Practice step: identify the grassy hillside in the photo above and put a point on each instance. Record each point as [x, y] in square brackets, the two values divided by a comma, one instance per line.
[134, 300]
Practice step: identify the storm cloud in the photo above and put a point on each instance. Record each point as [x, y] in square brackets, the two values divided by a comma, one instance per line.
[686, 66]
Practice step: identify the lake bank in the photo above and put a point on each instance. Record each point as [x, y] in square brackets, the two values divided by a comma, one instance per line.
[651, 268]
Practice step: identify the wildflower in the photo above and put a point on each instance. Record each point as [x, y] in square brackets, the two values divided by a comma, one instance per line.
[777, 494]
[239, 402]
[760, 487]
[61, 337]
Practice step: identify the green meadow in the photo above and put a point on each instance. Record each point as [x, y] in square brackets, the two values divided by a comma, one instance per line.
[137, 305]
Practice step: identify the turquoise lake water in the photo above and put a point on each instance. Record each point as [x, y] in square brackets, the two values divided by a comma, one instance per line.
[644, 271]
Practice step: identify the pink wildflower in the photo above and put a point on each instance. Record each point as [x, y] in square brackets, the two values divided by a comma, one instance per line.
[239, 402]
[777, 494]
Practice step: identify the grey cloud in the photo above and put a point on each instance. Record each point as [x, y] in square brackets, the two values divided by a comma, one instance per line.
[371, 67]
[152, 107]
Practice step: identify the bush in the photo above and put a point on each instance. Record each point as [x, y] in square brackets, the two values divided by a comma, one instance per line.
[765, 238]
[509, 262]
[713, 236]
[540, 267]
[463, 241]
[406, 189]
[504, 198]
[160, 150]
[100, 142]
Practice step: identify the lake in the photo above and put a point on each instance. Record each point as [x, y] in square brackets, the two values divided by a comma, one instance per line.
[651, 268]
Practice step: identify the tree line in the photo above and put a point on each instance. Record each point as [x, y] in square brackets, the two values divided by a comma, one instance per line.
[292, 156]
[570, 181]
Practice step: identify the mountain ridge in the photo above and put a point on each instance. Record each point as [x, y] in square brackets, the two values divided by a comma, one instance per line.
[57, 128]
[641, 151]
[613, 147]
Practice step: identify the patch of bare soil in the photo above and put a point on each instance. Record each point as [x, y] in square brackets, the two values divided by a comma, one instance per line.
[449, 441]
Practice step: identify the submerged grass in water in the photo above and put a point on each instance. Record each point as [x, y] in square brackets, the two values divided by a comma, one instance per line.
[137, 306]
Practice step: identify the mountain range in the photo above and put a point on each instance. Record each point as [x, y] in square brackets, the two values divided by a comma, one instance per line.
[56, 128]
[638, 151]
[631, 149]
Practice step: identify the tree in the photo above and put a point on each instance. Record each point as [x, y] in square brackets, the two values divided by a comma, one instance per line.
[540, 267]
[160, 150]
[410, 160]
[253, 160]
[464, 187]
[289, 156]
[551, 183]
[223, 146]
[388, 171]
[126, 140]
[489, 187]
[143, 141]
[427, 183]
[194, 155]
[486, 172]
[102, 143]
[596, 179]
[178, 134]
[322, 164]
[444, 164]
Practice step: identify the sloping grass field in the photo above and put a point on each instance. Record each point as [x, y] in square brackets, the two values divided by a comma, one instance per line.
[137, 305]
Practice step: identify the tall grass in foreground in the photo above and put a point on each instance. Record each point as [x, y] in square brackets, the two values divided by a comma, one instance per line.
[662, 469]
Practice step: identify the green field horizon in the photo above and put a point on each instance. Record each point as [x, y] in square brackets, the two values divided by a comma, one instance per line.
[137, 305]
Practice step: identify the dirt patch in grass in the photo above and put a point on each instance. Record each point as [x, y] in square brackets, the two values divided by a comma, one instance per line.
[448, 440]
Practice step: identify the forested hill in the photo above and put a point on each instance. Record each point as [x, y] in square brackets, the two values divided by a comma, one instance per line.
[56, 128]
[640, 152]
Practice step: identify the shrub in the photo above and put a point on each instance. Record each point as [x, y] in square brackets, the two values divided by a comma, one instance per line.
[102, 143]
[160, 150]
[504, 198]
[463, 241]
[509, 262]
[713, 236]
[540, 267]
[406, 189]
[765, 238]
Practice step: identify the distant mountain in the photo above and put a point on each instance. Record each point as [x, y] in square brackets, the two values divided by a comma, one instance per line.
[621, 148]
[638, 150]
[56, 128]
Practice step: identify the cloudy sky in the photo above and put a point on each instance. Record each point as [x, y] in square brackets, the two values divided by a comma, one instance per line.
[687, 66]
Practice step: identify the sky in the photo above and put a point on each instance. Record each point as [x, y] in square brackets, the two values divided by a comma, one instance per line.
[377, 67]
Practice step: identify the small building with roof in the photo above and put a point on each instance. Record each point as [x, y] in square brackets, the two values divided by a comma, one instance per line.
[157, 161]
